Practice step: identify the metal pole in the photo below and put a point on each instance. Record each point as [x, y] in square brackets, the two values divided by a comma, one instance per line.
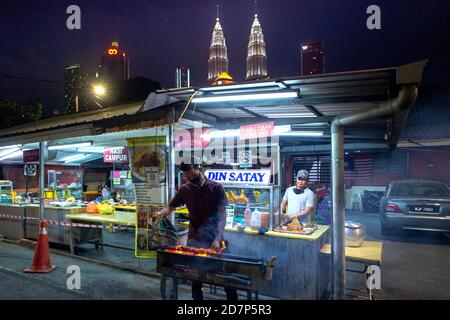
[279, 165]
[338, 244]
[42, 153]
[171, 171]
[76, 103]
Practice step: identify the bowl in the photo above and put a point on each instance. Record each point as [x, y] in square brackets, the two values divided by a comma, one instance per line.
[355, 234]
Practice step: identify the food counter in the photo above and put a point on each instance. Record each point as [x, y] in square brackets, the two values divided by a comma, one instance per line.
[300, 271]
[56, 233]
[19, 229]
[11, 228]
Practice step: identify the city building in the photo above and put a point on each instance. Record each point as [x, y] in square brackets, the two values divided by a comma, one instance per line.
[256, 54]
[183, 77]
[114, 65]
[76, 95]
[312, 59]
[218, 60]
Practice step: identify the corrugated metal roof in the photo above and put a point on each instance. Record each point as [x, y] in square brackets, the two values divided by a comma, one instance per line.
[74, 119]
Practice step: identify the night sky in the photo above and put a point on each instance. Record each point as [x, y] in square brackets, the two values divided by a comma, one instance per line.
[158, 36]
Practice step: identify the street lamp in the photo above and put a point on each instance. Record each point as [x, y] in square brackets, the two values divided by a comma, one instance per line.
[99, 90]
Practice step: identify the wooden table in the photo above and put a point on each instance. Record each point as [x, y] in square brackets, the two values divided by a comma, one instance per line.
[120, 218]
[368, 254]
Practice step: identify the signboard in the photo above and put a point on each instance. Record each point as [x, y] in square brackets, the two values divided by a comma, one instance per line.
[121, 178]
[31, 155]
[148, 160]
[254, 177]
[230, 215]
[116, 155]
[245, 159]
[259, 130]
[29, 170]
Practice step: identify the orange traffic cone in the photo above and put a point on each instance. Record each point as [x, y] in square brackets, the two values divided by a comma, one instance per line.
[41, 260]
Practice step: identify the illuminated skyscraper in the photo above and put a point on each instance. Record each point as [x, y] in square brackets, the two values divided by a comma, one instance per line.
[114, 65]
[218, 61]
[312, 60]
[76, 88]
[183, 78]
[256, 54]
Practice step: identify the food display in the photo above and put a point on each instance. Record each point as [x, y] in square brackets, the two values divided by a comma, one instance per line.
[66, 183]
[296, 226]
[239, 199]
[245, 201]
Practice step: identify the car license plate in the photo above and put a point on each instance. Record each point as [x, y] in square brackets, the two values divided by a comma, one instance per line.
[424, 209]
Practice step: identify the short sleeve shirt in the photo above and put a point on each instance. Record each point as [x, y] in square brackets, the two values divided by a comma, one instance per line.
[206, 206]
[298, 202]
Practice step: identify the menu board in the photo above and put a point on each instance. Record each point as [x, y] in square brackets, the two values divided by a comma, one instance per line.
[121, 178]
[230, 215]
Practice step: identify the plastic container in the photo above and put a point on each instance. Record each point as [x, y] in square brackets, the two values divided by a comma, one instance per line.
[247, 216]
[265, 219]
[255, 221]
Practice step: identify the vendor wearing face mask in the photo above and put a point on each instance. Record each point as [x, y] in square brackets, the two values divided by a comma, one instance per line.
[299, 199]
[206, 202]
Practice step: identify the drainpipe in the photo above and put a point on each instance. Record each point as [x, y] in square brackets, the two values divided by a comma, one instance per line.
[406, 98]
[42, 154]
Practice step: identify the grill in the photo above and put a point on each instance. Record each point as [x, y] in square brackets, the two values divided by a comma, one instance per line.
[214, 268]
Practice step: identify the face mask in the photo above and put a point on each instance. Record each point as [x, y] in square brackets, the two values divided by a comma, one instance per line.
[197, 180]
[298, 191]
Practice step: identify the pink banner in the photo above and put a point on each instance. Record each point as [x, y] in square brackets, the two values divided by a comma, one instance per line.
[259, 130]
[116, 155]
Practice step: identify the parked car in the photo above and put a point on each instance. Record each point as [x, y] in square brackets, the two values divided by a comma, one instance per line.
[415, 204]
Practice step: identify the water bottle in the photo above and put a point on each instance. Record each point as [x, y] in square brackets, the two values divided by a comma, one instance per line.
[256, 220]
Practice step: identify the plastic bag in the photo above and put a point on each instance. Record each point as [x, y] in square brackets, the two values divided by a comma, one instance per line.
[92, 208]
[105, 209]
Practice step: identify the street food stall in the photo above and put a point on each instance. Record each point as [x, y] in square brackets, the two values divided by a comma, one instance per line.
[292, 115]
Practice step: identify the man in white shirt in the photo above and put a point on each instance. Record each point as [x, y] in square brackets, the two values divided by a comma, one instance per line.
[299, 199]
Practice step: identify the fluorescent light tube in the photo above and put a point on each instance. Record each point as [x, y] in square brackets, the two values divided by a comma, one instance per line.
[240, 86]
[70, 146]
[6, 152]
[74, 158]
[289, 115]
[11, 147]
[247, 97]
[11, 153]
[91, 149]
[302, 134]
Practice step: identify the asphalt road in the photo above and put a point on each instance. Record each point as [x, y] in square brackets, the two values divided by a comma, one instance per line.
[416, 264]
[98, 282]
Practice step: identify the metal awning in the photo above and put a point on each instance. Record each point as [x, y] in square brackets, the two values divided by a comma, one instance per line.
[113, 119]
[320, 99]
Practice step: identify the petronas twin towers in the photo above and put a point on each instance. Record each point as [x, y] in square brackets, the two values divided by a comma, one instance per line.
[256, 53]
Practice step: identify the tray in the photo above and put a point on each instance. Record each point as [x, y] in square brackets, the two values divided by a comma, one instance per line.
[307, 232]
